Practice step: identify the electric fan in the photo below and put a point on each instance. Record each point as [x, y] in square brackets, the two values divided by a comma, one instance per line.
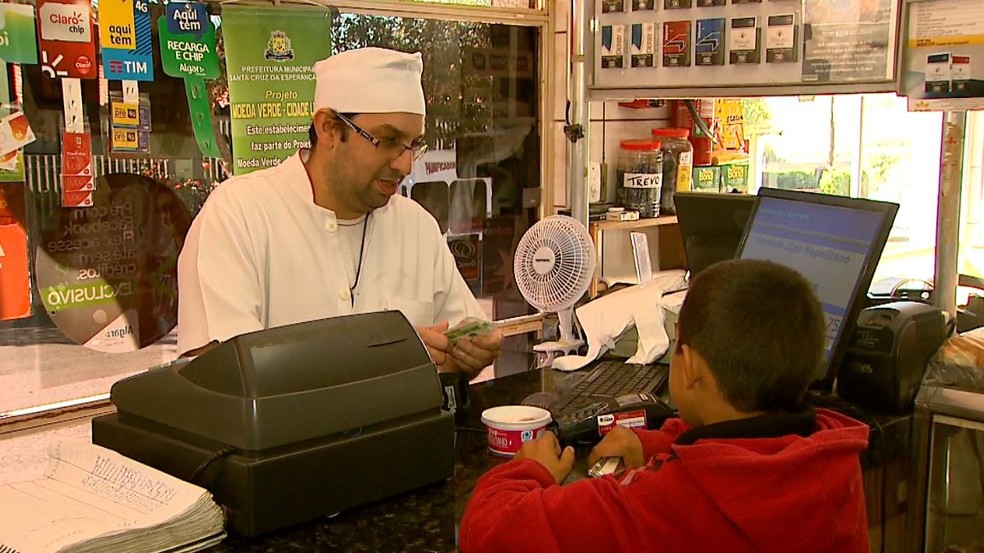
[554, 264]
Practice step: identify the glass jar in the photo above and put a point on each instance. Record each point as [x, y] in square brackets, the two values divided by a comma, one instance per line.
[678, 164]
[639, 175]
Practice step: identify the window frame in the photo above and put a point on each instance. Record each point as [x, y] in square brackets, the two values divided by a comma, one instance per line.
[31, 419]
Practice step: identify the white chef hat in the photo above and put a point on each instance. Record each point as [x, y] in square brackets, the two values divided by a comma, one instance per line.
[370, 80]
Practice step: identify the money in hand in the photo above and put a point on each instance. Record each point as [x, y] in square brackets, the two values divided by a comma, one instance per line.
[469, 327]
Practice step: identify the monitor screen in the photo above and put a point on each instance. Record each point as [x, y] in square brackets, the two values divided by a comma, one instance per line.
[834, 241]
[711, 226]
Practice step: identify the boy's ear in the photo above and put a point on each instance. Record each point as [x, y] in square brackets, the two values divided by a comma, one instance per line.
[688, 366]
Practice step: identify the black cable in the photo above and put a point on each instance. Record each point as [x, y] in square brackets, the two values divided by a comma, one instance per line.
[209, 460]
[701, 125]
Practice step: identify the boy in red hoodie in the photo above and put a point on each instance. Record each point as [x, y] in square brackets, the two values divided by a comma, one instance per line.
[746, 468]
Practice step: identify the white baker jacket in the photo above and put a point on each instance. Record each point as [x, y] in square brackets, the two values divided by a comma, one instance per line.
[262, 254]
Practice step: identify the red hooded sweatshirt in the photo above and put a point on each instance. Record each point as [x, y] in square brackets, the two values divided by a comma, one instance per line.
[704, 489]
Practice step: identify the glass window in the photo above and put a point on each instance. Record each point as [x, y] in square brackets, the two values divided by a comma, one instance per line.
[865, 146]
[971, 249]
[481, 83]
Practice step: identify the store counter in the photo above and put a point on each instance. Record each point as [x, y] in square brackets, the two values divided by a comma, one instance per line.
[426, 519]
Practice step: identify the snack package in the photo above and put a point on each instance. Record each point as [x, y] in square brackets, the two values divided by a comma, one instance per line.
[959, 363]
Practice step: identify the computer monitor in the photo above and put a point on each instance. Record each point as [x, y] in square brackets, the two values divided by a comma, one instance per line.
[711, 226]
[834, 241]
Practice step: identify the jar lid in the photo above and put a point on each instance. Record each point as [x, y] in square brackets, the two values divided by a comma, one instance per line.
[672, 132]
[640, 144]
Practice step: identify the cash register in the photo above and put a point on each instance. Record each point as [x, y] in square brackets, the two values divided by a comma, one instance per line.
[292, 423]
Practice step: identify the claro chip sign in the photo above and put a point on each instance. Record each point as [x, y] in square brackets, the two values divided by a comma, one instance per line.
[67, 39]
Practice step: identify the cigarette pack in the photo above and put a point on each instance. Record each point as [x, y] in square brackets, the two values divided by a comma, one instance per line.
[612, 6]
[677, 4]
[709, 42]
[676, 43]
[613, 46]
[643, 48]
[938, 73]
[780, 41]
[745, 41]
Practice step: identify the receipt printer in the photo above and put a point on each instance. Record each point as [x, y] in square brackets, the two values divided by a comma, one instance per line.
[888, 354]
[293, 423]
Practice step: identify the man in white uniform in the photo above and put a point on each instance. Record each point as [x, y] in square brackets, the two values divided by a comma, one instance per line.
[324, 233]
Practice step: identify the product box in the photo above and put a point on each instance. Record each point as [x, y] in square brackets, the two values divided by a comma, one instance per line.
[734, 177]
[643, 46]
[780, 39]
[676, 43]
[709, 42]
[745, 41]
[612, 46]
[707, 178]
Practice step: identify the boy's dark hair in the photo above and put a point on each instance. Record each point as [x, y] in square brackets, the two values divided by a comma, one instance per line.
[760, 328]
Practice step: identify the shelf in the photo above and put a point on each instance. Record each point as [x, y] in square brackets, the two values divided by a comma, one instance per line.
[641, 223]
[667, 254]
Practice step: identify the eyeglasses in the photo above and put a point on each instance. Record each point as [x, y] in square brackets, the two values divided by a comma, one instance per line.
[390, 146]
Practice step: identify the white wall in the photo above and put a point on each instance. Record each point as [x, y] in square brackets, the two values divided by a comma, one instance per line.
[609, 123]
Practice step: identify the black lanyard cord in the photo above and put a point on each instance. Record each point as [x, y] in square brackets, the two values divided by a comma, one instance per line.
[358, 266]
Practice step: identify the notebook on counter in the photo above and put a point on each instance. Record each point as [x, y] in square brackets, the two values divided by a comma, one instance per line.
[93, 499]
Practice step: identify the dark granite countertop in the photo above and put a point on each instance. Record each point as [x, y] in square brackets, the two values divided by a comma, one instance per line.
[425, 520]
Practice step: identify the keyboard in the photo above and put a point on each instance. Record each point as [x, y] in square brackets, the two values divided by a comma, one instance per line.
[608, 380]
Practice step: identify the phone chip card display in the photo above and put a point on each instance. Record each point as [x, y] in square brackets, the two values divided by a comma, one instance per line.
[780, 41]
[744, 41]
[709, 42]
[676, 43]
[613, 46]
[643, 45]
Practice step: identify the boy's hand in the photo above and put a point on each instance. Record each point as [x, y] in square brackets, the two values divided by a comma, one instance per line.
[546, 451]
[620, 442]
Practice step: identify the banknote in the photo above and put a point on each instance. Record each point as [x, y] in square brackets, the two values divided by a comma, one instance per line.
[470, 327]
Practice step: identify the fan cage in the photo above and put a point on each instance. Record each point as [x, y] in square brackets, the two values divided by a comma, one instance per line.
[572, 270]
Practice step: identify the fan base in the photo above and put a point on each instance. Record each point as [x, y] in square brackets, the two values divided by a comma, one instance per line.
[548, 351]
[566, 346]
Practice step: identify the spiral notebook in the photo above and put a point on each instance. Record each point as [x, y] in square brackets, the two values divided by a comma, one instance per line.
[94, 499]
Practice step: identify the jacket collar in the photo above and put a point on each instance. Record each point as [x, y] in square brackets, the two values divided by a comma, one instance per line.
[801, 421]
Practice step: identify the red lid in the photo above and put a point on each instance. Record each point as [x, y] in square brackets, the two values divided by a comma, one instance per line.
[640, 144]
[672, 133]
